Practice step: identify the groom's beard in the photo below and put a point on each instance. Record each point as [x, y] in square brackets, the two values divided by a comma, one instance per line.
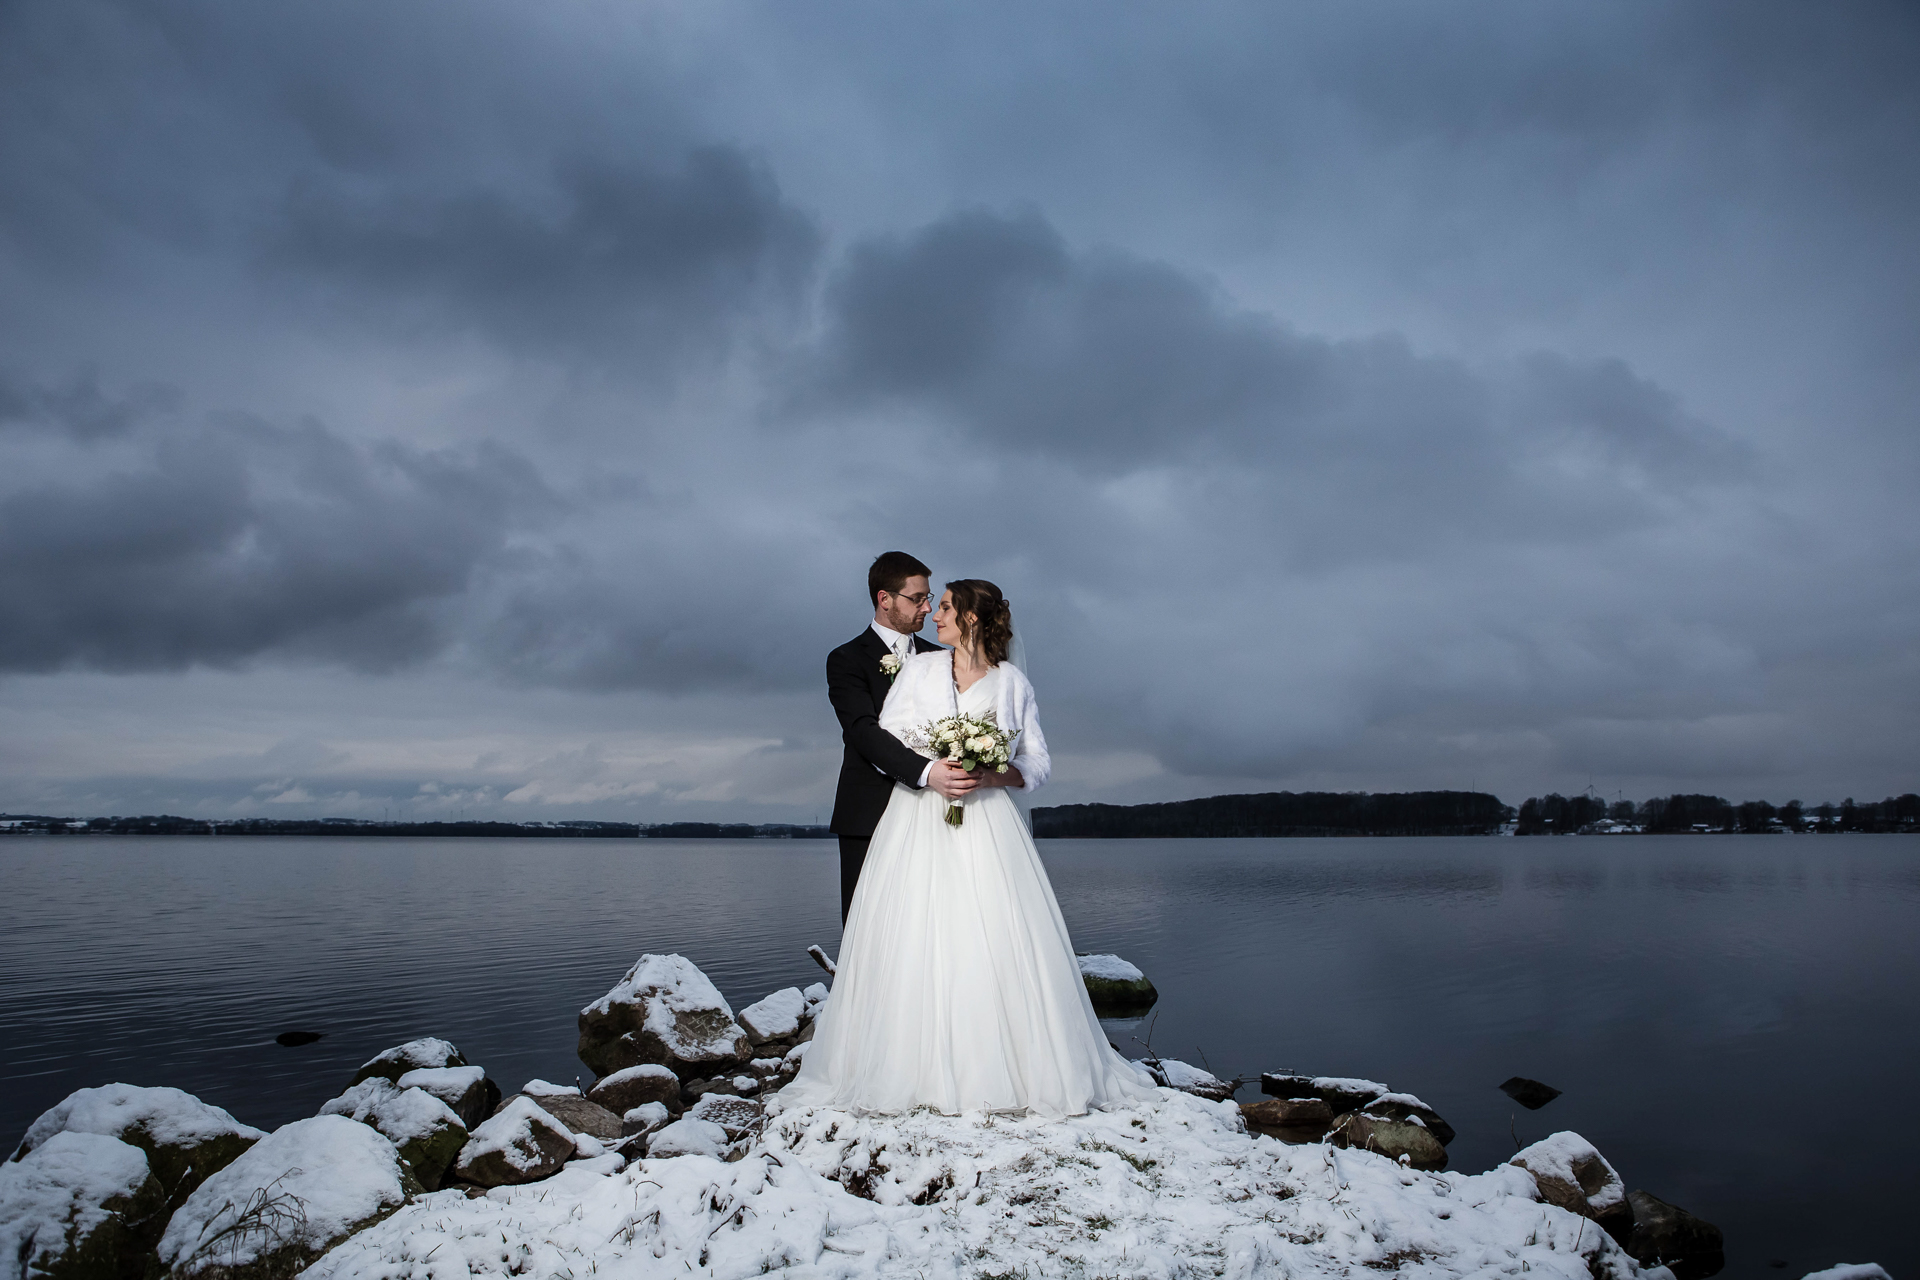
[907, 625]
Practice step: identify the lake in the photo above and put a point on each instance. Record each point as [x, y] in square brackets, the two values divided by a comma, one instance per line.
[1734, 1020]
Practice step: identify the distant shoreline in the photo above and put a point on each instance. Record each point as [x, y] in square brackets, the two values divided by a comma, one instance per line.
[1271, 814]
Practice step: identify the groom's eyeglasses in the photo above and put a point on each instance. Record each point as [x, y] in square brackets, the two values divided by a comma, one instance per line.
[917, 600]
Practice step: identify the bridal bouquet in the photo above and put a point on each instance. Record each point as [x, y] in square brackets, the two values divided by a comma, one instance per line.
[972, 742]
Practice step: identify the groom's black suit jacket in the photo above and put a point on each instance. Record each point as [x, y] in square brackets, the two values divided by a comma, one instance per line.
[857, 686]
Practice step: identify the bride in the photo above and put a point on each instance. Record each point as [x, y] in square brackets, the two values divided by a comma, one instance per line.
[957, 986]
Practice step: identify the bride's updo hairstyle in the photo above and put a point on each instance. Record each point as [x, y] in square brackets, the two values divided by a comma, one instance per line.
[982, 599]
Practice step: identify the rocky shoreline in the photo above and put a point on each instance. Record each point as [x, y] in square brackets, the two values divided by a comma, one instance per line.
[679, 1158]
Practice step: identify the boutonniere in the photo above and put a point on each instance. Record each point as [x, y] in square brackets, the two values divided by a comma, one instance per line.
[890, 665]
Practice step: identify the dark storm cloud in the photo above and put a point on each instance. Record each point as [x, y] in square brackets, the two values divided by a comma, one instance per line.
[623, 262]
[79, 408]
[1111, 363]
[242, 540]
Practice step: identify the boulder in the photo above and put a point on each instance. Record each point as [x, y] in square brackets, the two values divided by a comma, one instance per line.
[698, 1089]
[1390, 1138]
[1667, 1235]
[644, 1119]
[1530, 1094]
[689, 1137]
[414, 1055]
[640, 1124]
[1116, 987]
[1404, 1106]
[1346, 1093]
[738, 1116]
[79, 1206]
[1850, 1271]
[580, 1115]
[520, 1143]
[425, 1130]
[664, 1011]
[288, 1199]
[1284, 1084]
[1173, 1074]
[185, 1140]
[624, 1090]
[1288, 1119]
[467, 1090]
[1572, 1174]
[777, 1017]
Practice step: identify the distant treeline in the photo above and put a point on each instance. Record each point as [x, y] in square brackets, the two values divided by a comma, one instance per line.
[1282, 813]
[169, 825]
[1665, 815]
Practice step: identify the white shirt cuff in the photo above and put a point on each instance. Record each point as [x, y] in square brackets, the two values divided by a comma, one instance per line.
[925, 774]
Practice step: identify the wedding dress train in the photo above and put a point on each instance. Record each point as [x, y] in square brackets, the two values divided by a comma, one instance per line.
[957, 986]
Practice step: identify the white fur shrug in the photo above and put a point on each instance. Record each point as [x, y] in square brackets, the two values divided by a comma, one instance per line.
[924, 691]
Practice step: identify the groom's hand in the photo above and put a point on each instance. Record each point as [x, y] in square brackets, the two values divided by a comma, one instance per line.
[950, 780]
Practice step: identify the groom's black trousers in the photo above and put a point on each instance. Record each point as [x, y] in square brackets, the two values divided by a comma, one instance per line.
[853, 854]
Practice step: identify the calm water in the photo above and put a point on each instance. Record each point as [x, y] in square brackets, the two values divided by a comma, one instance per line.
[1734, 1019]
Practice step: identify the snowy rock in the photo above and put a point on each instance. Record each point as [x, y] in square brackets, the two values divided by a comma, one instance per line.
[689, 1137]
[775, 1018]
[79, 1205]
[1169, 1188]
[1186, 1078]
[624, 1090]
[424, 1129]
[1114, 986]
[466, 1089]
[1390, 1138]
[1666, 1235]
[1850, 1271]
[185, 1139]
[521, 1143]
[639, 1125]
[665, 1011]
[817, 996]
[644, 1119]
[1404, 1106]
[1575, 1176]
[579, 1115]
[546, 1089]
[1289, 1119]
[293, 1195]
[1347, 1093]
[738, 1116]
[414, 1055]
[1282, 1084]
[698, 1089]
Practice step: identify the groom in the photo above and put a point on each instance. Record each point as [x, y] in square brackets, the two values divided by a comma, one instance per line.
[859, 673]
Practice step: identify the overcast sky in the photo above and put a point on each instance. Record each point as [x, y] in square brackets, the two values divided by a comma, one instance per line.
[492, 408]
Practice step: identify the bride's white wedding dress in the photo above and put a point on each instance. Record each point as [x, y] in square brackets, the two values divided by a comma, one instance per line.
[957, 986]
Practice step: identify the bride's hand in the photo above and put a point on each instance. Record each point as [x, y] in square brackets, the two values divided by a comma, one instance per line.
[1011, 778]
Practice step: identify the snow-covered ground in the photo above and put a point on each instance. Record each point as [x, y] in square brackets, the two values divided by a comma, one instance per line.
[1173, 1189]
